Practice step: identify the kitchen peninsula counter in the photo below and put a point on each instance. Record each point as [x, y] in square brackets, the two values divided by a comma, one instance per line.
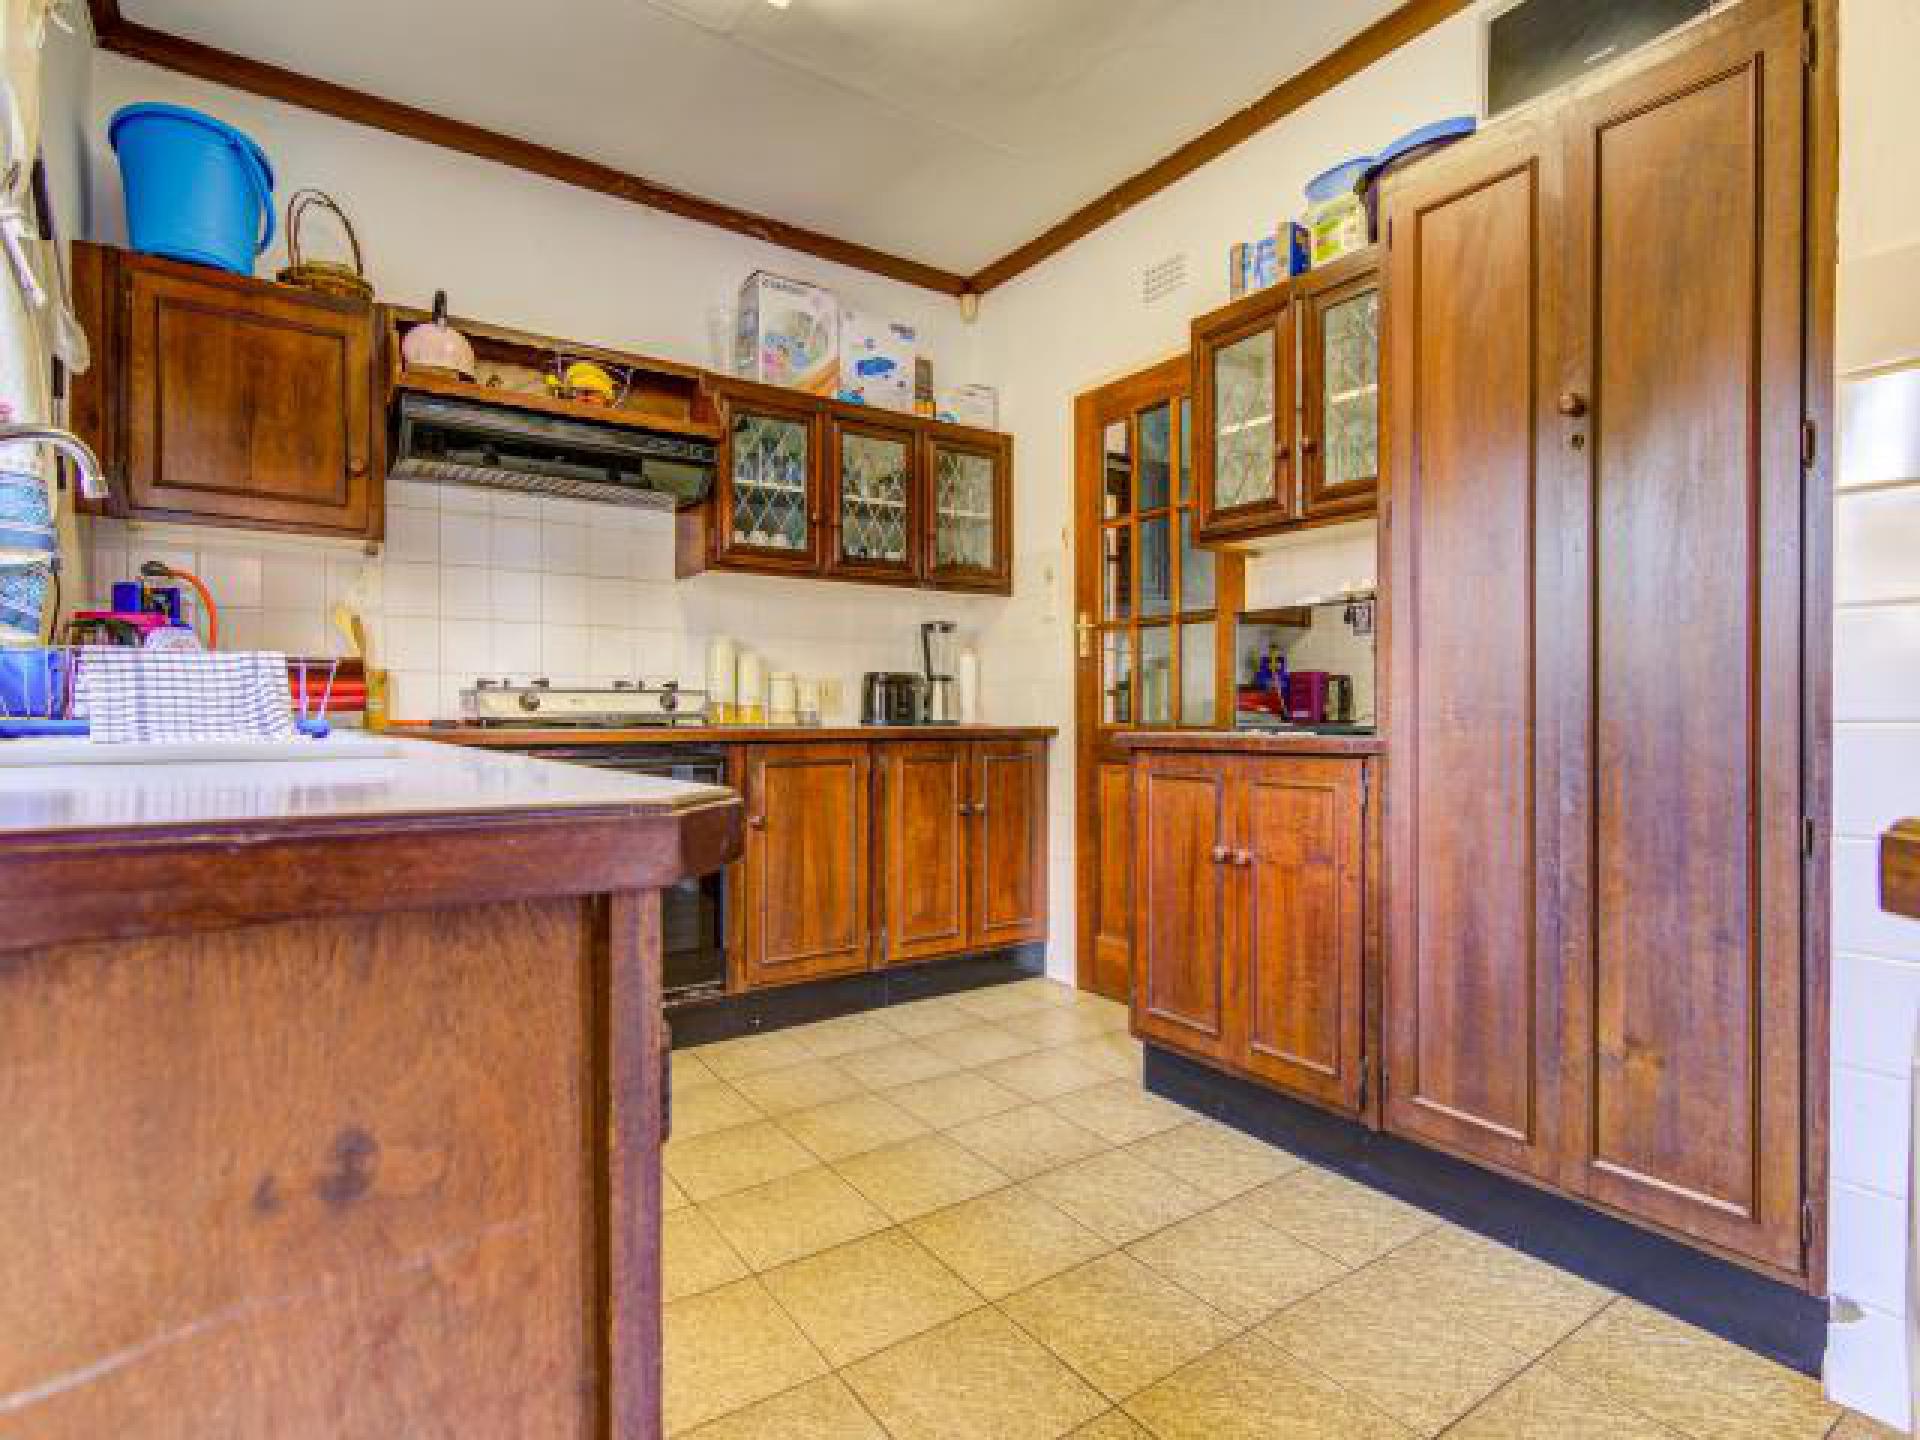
[523, 737]
[335, 1091]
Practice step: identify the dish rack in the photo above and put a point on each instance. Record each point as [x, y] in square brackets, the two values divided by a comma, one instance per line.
[40, 691]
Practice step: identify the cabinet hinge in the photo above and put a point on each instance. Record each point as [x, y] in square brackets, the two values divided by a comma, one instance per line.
[1809, 443]
[1809, 836]
[1807, 51]
[1806, 1225]
[1366, 787]
[1389, 234]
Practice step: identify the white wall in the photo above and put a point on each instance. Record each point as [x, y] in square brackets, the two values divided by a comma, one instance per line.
[1876, 957]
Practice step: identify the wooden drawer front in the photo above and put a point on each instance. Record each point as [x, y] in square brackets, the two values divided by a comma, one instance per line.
[925, 850]
[1182, 920]
[806, 862]
[1009, 812]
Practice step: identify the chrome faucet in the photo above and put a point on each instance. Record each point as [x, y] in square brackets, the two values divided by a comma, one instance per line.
[93, 479]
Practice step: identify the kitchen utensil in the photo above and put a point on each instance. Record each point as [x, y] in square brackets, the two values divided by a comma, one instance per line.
[1340, 699]
[890, 697]
[938, 662]
[435, 346]
[969, 688]
[783, 699]
[328, 277]
[723, 659]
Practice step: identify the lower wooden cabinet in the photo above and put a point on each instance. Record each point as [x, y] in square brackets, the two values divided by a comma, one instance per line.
[963, 846]
[802, 902]
[1250, 930]
[866, 854]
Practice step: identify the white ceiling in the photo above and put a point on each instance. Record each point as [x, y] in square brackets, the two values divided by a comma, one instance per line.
[948, 131]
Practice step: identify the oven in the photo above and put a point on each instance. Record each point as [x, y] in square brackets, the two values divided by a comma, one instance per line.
[693, 913]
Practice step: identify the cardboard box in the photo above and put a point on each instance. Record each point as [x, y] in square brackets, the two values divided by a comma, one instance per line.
[787, 333]
[876, 361]
[976, 405]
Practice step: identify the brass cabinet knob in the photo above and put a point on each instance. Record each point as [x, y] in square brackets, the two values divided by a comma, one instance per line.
[1572, 405]
[1222, 855]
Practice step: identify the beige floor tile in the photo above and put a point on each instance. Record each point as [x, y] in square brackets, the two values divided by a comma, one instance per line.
[1119, 1196]
[1859, 1427]
[1121, 1111]
[1006, 1241]
[1027, 1141]
[797, 1087]
[846, 1035]
[1000, 1002]
[1061, 1025]
[1117, 1055]
[1348, 1221]
[1044, 1074]
[706, 1166]
[851, 1127]
[954, 1099]
[1114, 1425]
[1236, 1264]
[823, 1409]
[1214, 1159]
[750, 1054]
[1397, 1353]
[793, 1217]
[1250, 1390]
[1507, 1296]
[898, 1064]
[694, 1256]
[690, 1072]
[919, 1175]
[920, 1018]
[982, 1044]
[1119, 1324]
[1690, 1381]
[975, 1378]
[1051, 991]
[672, 1197]
[1542, 1404]
[713, 1106]
[727, 1348]
[860, 1298]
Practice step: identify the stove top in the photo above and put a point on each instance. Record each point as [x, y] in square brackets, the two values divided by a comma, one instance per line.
[612, 703]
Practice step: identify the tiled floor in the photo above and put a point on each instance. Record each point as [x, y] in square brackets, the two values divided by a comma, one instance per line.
[964, 1219]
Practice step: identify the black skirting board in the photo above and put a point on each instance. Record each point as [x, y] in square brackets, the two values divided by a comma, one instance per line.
[1762, 1315]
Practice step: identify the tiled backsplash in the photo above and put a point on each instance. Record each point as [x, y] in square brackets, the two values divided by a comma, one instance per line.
[473, 582]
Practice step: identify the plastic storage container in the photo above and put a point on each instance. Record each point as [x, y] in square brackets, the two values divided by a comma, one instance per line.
[1336, 218]
[197, 189]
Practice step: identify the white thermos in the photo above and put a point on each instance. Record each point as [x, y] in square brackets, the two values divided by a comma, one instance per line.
[969, 668]
[750, 707]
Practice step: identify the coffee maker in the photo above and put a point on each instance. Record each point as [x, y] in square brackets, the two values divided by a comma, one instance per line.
[939, 654]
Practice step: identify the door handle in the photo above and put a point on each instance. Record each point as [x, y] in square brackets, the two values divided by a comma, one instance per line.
[1083, 627]
[756, 822]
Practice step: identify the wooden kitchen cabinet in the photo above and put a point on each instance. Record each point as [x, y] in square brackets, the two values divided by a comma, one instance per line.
[968, 488]
[1285, 403]
[963, 846]
[803, 881]
[768, 490]
[875, 500]
[1250, 930]
[221, 399]
[1596, 973]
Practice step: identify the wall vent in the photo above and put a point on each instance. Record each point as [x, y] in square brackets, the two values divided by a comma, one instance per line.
[1162, 278]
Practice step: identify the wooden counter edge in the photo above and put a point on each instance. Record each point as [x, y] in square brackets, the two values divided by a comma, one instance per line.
[1251, 742]
[1900, 869]
[535, 737]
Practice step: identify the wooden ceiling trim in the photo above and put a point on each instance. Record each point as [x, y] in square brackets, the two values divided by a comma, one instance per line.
[206, 62]
[1379, 39]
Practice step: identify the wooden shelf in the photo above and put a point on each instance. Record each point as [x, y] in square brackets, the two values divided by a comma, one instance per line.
[622, 415]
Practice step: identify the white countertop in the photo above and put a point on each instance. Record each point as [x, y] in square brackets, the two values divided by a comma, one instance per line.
[48, 791]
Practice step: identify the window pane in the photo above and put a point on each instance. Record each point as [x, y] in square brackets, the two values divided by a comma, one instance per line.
[1351, 417]
[1156, 675]
[1196, 569]
[1196, 673]
[1119, 470]
[1186, 449]
[1243, 386]
[769, 481]
[875, 474]
[1156, 567]
[963, 502]
[1156, 456]
[1117, 565]
[1116, 670]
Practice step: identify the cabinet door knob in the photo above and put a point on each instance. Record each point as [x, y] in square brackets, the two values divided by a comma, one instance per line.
[1243, 858]
[1309, 446]
[357, 466]
[1222, 855]
[1572, 405]
[757, 822]
[1282, 451]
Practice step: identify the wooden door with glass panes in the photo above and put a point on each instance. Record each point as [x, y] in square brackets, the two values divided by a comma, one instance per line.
[1154, 629]
[768, 487]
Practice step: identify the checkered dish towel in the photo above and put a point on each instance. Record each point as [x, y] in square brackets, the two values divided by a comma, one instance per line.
[171, 695]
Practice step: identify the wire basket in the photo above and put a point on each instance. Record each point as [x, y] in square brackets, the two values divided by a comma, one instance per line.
[40, 692]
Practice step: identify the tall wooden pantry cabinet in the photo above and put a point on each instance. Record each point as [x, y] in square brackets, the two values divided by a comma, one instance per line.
[1596, 813]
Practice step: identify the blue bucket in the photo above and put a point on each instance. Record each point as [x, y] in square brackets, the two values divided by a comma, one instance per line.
[197, 189]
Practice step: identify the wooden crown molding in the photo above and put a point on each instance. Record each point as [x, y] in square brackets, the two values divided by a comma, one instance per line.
[142, 42]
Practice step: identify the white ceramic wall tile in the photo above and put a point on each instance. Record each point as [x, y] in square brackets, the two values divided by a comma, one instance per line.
[413, 643]
[415, 694]
[1866, 1366]
[1867, 1259]
[466, 592]
[515, 506]
[411, 588]
[563, 549]
[1860, 926]
[465, 539]
[411, 495]
[233, 577]
[1876, 663]
[467, 499]
[1877, 545]
[609, 602]
[1876, 777]
[563, 652]
[297, 632]
[610, 551]
[1870, 1130]
[240, 630]
[1879, 419]
[516, 595]
[1876, 1009]
[610, 652]
[651, 557]
[466, 648]
[515, 649]
[413, 535]
[293, 583]
[516, 543]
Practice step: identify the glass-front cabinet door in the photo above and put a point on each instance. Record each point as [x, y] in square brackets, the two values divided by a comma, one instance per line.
[1340, 400]
[873, 500]
[768, 490]
[968, 539]
[1243, 391]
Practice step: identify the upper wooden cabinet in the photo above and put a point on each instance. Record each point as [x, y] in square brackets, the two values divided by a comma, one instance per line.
[225, 400]
[1250, 922]
[1598, 867]
[1286, 403]
[814, 487]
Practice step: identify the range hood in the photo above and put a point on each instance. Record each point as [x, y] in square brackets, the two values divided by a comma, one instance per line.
[469, 442]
